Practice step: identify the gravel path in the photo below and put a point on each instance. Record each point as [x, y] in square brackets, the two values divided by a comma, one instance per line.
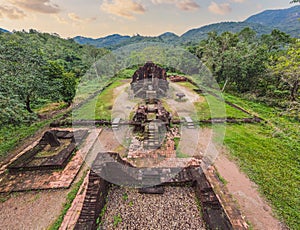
[175, 209]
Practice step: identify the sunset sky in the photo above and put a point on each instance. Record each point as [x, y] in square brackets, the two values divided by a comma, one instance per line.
[98, 18]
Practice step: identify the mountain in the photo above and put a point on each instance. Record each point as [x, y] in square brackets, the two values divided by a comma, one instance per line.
[169, 37]
[109, 41]
[285, 20]
[3, 31]
[234, 27]
[116, 40]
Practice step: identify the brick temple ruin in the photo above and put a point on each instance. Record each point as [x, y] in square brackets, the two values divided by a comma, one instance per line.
[55, 160]
[51, 162]
[52, 152]
[150, 82]
[110, 166]
[151, 119]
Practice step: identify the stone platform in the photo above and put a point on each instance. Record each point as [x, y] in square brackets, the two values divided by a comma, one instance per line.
[47, 179]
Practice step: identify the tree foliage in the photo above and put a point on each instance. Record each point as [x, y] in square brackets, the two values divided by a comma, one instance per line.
[287, 67]
[38, 68]
[265, 67]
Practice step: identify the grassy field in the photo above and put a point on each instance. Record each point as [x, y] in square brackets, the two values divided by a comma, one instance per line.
[269, 154]
[213, 107]
[100, 107]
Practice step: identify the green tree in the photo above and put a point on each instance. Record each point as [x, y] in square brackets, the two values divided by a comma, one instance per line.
[68, 90]
[22, 69]
[287, 67]
[276, 40]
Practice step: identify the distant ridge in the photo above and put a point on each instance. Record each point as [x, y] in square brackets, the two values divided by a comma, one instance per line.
[234, 27]
[285, 20]
[108, 41]
[4, 31]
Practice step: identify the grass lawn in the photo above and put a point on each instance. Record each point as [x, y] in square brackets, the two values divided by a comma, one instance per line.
[213, 107]
[98, 108]
[283, 126]
[272, 162]
[269, 154]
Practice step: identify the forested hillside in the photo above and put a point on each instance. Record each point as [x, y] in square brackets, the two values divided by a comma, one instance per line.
[36, 69]
[262, 23]
[262, 68]
[283, 19]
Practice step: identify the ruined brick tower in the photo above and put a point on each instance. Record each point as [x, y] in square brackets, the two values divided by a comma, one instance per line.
[150, 82]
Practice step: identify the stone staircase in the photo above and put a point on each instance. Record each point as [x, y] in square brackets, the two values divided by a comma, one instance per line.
[153, 136]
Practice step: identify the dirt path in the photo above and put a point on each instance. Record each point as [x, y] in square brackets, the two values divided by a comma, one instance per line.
[31, 210]
[252, 205]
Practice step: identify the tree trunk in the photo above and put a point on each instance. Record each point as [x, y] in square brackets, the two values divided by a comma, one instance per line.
[294, 90]
[226, 82]
[28, 104]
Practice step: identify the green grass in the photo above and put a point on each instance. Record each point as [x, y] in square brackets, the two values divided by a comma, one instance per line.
[99, 108]
[284, 126]
[126, 73]
[269, 154]
[99, 220]
[11, 136]
[212, 107]
[117, 220]
[272, 163]
[179, 153]
[220, 178]
[87, 87]
[70, 197]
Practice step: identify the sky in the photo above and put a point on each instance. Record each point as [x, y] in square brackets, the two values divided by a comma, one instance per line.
[99, 18]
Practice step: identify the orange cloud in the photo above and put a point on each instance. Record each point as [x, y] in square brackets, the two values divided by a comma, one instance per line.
[40, 6]
[221, 9]
[123, 8]
[60, 19]
[185, 5]
[188, 5]
[77, 18]
[11, 13]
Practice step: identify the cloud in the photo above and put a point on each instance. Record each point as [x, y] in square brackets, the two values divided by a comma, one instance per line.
[123, 8]
[40, 6]
[238, 1]
[77, 18]
[185, 5]
[74, 17]
[222, 8]
[188, 5]
[11, 13]
[60, 19]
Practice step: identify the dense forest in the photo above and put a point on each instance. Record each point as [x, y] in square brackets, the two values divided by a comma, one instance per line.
[264, 68]
[36, 69]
